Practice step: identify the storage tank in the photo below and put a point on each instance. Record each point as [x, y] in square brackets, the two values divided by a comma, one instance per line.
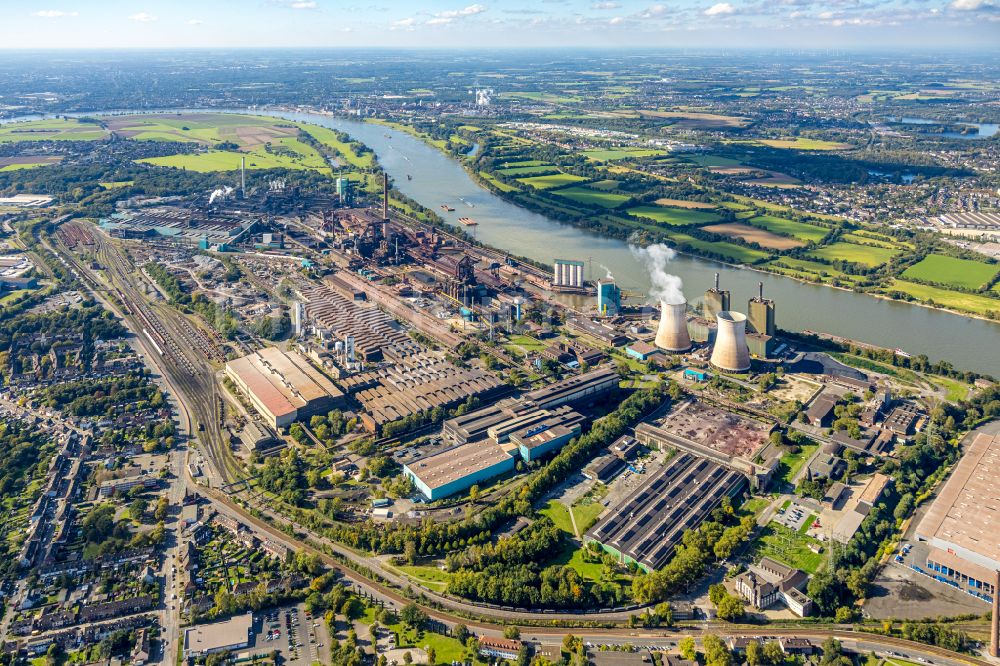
[672, 334]
[730, 353]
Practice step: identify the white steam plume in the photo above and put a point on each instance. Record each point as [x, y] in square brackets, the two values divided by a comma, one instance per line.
[607, 270]
[665, 287]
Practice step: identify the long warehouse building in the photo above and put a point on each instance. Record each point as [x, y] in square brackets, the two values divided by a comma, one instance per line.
[283, 386]
[961, 525]
[648, 525]
[459, 468]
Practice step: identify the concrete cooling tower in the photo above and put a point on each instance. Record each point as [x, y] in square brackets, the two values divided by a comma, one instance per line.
[672, 334]
[730, 353]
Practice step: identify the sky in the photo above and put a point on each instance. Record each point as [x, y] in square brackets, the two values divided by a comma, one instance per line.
[810, 24]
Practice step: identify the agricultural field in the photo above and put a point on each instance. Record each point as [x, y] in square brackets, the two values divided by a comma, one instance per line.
[607, 155]
[527, 171]
[756, 235]
[713, 161]
[677, 217]
[952, 271]
[684, 203]
[696, 119]
[734, 253]
[26, 162]
[799, 230]
[331, 140]
[589, 197]
[56, 129]
[858, 254]
[605, 185]
[503, 187]
[551, 181]
[800, 143]
[297, 156]
[981, 305]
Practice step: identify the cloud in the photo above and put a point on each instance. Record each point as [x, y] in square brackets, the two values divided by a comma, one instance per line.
[720, 9]
[605, 5]
[440, 20]
[195, 22]
[142, 17]
[653, 11]
[618, 20]
[471, 10]
[54, 13]
[973, 5]
[303, 4]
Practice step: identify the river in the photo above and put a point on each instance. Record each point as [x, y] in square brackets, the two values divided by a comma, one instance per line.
[967, 343]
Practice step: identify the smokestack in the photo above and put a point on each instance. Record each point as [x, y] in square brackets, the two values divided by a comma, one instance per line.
[717, 282]
[385, 196]
[730, 353]
[760, 290]
[995, 632]
[672, 334]
[243, 177]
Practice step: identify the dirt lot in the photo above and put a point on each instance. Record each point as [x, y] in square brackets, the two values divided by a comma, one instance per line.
[750, 234]
[901, 592]
[721, 430]
[28, 159]
[794, 388]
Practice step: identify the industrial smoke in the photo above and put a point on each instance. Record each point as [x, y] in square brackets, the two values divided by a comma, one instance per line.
[608, 275]
[222, 193]
[664, 287]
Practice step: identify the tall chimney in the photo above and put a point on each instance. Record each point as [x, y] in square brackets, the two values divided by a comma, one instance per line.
[672, 334]
[243, 177]
[385, 196]
[717, 282]
[760, 290]
[995, 632]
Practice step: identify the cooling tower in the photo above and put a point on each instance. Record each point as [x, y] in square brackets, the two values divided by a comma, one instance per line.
[672, 334]
[730, 353]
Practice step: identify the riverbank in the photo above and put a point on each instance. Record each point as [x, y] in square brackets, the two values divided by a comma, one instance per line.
[879, 293]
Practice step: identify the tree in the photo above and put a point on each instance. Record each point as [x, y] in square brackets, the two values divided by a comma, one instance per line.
[755, 653]
[687, 648]
[716, 652]
[773, 654]
[844, 615]
[137, 509]
[511, 632]
[412, 616]
[461, 633]
[410, 551]
[730, 608]
[523, 656]
[407, 658]
[474, 493]
[431, 655]
[569, 643]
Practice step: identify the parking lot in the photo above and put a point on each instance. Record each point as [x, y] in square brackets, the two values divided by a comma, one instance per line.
[793, 516]
[300, 638]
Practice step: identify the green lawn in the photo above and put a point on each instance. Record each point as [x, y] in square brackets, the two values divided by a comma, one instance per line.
[503, 187]
[586, 514]
[559, 514]
[674, 216]
[296, 155]
[952, 271]
[858, 254]
[432, 577]
[590, 197]
[526, 342]
[446, 648]
[791, 463]
[947, 298]
[713, 161]
[780, 225]
[551, 181]
[572, 555]
[784, 545]
[956, 390]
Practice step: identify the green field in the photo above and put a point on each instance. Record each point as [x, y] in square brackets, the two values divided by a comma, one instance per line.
[713, 161]
[858, 254]
[784, 545]
[950, 299]
[329, 138]
[432, 577]
[785, 227]
[503, 187]
[800, 143]
[553, 180]
[527, 171]
[806, 266]
[605, 185]
[56, 129]
[791, 463]
[18, 167]
[299, 156]
[621, 153]
[559, 514]
[586, 514]
[590, 197]
[730, 251]
[523, 163]
[677, 217]
[946, 270]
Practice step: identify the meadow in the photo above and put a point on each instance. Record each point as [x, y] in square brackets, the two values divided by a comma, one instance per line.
[55, 129]
[551, 181]
[858, 254]
[607, 155]
[981, 305]
[591, 197]
[677, 217]
[750, 234]
[780, 225]
[952, 271]
[800, 143]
